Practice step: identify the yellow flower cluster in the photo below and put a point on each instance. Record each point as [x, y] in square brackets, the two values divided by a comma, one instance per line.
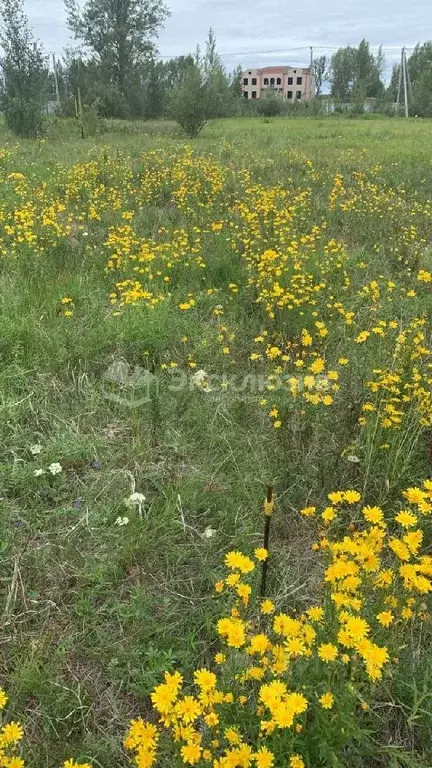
[278, 667]
[329, 320]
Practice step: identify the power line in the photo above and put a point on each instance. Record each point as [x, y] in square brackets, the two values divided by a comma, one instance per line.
[259, 53]
[293, 50]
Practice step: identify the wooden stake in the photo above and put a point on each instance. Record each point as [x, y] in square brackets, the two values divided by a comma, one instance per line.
[268, 511]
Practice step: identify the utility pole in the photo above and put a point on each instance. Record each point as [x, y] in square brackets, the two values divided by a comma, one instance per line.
[399, 85]
[56, 80]
[410, 90]
[405, 81]
[312, 90]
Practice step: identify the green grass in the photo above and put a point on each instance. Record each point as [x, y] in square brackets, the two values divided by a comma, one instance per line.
[94, 612]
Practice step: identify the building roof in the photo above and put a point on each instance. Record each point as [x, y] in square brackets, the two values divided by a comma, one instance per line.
[278, 70]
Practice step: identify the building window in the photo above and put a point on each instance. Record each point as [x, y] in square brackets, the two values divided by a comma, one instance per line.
[254, 81]
[298, 95]
[266, 81]
[272, 81]
[295, 71]
[289, 95]
[299, 80]
[290, 80]
[254, 94]
[245, 94]
[279, 81]
[250, 73]
[245, 81]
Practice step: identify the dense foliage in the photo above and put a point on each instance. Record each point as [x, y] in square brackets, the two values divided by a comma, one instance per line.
[23, 71]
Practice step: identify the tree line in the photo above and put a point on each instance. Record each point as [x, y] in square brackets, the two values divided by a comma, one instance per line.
[114, 71]
[354, 74]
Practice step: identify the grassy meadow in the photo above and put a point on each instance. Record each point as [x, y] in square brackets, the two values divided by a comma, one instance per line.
[184, 325]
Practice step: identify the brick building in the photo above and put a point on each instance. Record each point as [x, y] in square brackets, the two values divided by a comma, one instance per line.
[291, 83]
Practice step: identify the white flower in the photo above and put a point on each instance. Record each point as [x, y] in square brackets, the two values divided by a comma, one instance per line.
[55, 468]
[199, 376]
[39, 472]
[353, 459]
[199, 379]
[209, 533]
[136, 498]
[36, 449]
[122, 521]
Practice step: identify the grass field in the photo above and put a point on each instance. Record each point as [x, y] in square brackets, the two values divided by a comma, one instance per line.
[192, 323]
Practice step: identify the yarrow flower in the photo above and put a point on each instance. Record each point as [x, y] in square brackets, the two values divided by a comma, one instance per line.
[136, 500]
[209, 533]
[55, 468]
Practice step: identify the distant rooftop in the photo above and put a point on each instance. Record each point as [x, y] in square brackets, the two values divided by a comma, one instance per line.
[282, 68]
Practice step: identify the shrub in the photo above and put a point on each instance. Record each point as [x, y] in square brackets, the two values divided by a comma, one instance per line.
[191, 105]
[92, 122]
[270, 106]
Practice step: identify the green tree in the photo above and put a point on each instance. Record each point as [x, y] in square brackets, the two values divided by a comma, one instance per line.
[420, 71]
[236, 82]
[191, 105]
[390, 94]
[24, 72]
[320, 66]
[355, 73]
[368, 71]
[211, 62]
[204, 92]
[120, 34]
[174, 70]
[216, 78]
[342, 73]
[420, 74]
[393, 85]
[86, 74]
[154, 93]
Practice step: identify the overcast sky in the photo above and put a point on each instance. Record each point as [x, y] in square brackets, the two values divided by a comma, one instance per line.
[264, 32]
